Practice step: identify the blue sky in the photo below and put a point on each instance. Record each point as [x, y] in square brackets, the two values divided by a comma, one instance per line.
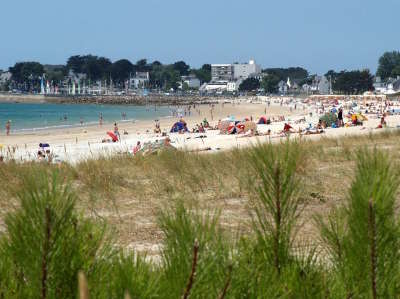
[316, 34]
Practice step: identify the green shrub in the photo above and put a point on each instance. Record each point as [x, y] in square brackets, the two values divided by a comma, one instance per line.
[362, 238]
[182, 229]
[46, 243]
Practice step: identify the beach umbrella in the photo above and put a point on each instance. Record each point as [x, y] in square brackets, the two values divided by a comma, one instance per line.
[113, 136]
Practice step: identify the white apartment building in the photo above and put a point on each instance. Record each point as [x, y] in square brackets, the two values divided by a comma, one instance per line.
[231, 75]
[246, 70]
[221, 72]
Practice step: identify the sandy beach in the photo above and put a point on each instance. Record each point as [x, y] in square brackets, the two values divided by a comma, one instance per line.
[79, 143]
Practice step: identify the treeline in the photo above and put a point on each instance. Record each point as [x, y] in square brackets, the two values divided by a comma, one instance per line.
[351, 82]
[27, 75]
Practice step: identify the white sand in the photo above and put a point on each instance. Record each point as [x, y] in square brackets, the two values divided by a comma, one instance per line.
[76, 144]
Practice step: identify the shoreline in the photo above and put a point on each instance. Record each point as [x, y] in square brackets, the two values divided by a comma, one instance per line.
[75, 144]
[80, 141]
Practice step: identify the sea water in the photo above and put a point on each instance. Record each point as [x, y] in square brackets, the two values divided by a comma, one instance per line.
[38, 116]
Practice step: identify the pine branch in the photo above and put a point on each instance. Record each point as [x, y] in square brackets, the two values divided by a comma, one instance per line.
[227, 283]
[83, 286]
[192, 274]
[46, 252]
[278, 219]
[372, 230]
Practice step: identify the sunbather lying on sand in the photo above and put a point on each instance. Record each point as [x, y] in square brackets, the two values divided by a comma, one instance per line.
[313, 132]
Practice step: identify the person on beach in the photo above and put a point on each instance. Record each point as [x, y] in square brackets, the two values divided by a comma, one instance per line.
[41, 156]
[287, 128]
[101, 119]
[167, 142]
[340, 118]
[48, 157]
[116, 131]
[137, 148]
[157, 129]
[382, 123]
[8, 127]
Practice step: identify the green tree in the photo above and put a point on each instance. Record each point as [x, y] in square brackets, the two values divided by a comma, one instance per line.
[156, 63]
[396, 71]
[94, 67]
[389, 65]
[55, 73]
[27, 74]
[249, 84]
[171, 77]
[203, 73]
[164, 76]
[363, 237]
[185, 229]
[270, 83]
[141, 65]
[120, 70]
[182, 68]
[270, 267]
[331, 74]
[99, 68]
[76, 63]
[46, 243]
[294, 73]
[353, 82]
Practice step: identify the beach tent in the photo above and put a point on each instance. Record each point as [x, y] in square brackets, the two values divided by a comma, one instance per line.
[114, 137]
[178, 126]
[262, 120]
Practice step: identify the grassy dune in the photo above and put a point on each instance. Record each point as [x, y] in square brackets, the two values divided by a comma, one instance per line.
[273, 221]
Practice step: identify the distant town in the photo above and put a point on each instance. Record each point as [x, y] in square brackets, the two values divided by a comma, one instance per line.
[93, 75]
